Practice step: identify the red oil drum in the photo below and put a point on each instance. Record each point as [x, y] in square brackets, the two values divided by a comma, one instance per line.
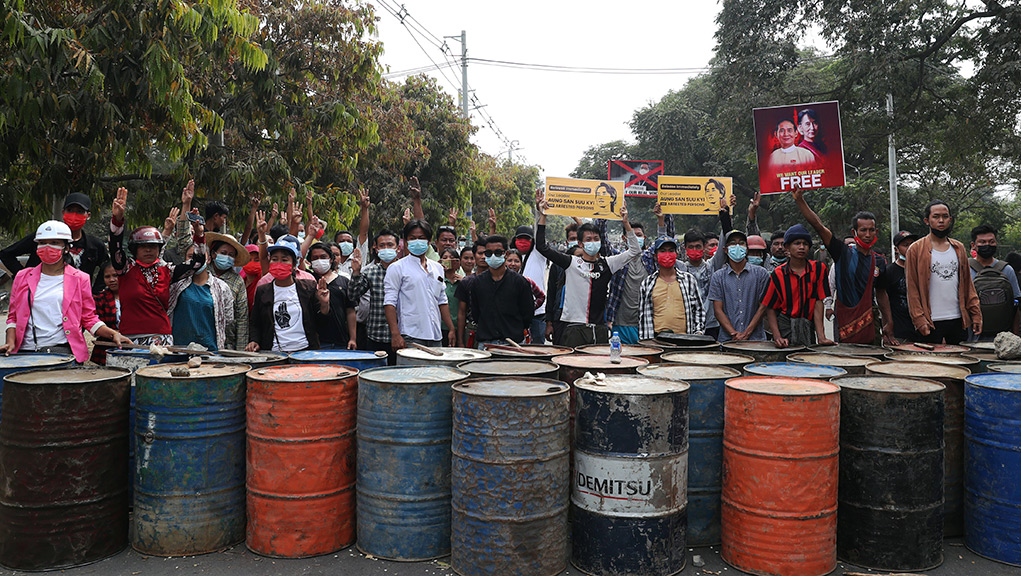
[780, 458]
[301, 459]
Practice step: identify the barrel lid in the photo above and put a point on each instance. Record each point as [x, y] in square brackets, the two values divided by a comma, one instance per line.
[254, 359]
[686, 372]
[67, 375]
[203, 371]
[335, 355]
[636, 384]
[302, 373]
[760, 346]
[1005, 368]
[413, 374]
[794, 370]
[937, 349]
[137, 352]
[985, 345]
[597, 362]
[707, 344]
[507, 367]
[983, 356]
[447, 354]
[512, 387]
[951, 359]
[781, 386]
[994, 380]
[839, 360]
[625, 350]
[919, 369]
[707, 358]
[34, 360]
[850, 348]
[535, 349]
[893, 384]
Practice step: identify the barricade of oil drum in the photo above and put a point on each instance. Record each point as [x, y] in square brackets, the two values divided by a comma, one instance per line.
[992, 497]
[952, 378]
[510, 482]
[984, 360]
[971, 363]
[780, 455]
[953, 349]
[705, 441]
[403, 480]
[1005, 368]
[853, 365]
[650, 353]
[357, 359]
[983, 346]
[629, 490]
[301, 460]
[527, 351]
[511, 368]
[255, 361]
[794, 370]
[32, 361]
[735, 361]
[669, 347]
[190, 469]
[851, 349]
[890, 515]
[574, 366]
[447, 357]
[762, 350]
[63, 467]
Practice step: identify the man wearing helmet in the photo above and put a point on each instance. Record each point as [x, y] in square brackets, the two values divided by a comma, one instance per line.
[144, 279]
[51, 303]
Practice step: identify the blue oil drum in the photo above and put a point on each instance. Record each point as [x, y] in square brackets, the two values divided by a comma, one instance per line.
[357, 359]
[794, 370]
[190, 470]
[31, 361]
[705, 444]
[992, 493]
[629, 491]
[403, 479]
[510, 477]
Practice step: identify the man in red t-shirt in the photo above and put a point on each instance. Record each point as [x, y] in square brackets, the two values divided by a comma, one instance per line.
[793, 294]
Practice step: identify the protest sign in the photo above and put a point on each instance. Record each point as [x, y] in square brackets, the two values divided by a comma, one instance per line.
[584, 198]
[640, 177]
[693, 194]
[799, 146]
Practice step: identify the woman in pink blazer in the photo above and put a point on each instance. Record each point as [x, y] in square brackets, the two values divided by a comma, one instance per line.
[52, 303]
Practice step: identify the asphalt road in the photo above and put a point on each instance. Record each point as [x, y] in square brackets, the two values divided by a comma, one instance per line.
[238, 561]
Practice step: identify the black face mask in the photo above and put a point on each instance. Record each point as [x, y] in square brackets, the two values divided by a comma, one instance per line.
[941, 233]
[986, 251]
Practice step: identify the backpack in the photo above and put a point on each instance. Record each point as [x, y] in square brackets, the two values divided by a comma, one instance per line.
[996, 296]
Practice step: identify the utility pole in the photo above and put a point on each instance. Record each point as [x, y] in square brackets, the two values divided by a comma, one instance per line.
[464, 74]
[510, 150]
[892, 159]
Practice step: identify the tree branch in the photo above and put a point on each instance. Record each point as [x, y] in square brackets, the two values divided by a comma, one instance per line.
[949, 32]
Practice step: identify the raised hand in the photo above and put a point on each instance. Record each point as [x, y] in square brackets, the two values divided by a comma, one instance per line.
[171, 220]
[540, 195]
[414, 189]
[275, 213]
[363, 198]
[407, 216]
[292, 195]
[798, 194]
[492, 218]
[322, 292]
[308, 196]
[452, 217]
[356, 262]
[542, 206]
[188, 194]
[120, 203]
[261, 225]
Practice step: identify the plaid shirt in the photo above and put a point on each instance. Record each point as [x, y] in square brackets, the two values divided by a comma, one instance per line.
[372, 280]
[694, 313]
[237, 331]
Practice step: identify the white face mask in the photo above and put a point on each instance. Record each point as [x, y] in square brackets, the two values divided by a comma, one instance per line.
[321, 266]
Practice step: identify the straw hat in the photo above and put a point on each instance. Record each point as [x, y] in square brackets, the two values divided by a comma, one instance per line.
[242, 257]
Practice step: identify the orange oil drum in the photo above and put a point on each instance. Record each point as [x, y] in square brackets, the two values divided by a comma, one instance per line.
[780, 459]
[301, 459]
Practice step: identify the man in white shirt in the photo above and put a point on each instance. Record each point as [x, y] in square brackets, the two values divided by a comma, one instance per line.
[415, 296]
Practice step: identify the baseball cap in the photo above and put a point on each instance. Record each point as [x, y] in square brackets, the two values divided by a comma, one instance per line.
[78, 198]
[664, 240]
[733, 233]
[902, 236]
[288, 243]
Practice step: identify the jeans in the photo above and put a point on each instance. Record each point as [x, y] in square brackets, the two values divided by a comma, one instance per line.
[950, 331]
[538, 329]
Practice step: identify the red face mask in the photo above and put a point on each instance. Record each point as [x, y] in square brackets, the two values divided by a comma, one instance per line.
[710, 252]
[75, 221]
[523, 245]
[49, 254]
[280, 270]
[666, 259]
[858, 241]
[695, 255]
[253, 268]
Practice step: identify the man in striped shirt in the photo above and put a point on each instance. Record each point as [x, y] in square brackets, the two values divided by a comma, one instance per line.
[794, 294]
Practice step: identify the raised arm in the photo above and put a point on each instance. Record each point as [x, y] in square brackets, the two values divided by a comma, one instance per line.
[753, 209]
[415, 191]
[812, 218]
[363, 224]
[558, 258]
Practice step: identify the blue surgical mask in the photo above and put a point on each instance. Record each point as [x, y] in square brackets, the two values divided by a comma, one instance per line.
[387, 255]
[571, 244]
[737, 252]
[779, 261]
[418, 247]
[592, 248]
[902, 257]
[301, 236]
[238, 269]
[223, 262]
[203, 268]
[346, 248]
[756, 260]
[495, 261]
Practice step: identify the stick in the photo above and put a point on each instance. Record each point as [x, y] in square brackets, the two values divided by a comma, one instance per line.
[521, 350]
[925, 346]
[424, 348]
[513, 343]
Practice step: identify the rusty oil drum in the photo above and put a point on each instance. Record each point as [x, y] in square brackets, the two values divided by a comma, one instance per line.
[190, 467]
[851, 349]
[853, 365]
[63, 467]
[971, 363]
[301, 460]
[650, 353]
[952, 349]
[448, 356]
[357, 359]
[510, 481]
[1005, 368]
[674, 347]
[403, 461]
[705, 443]
[761, 350]
[510, 368]
[32, 361]
[697, 358]
[574, 366]
[890, 515]
[527, 352]
[992, 497]
[629, 487]
[984, 360]
[780, 454]
[794, 370]
[255, 361]
[952, 378]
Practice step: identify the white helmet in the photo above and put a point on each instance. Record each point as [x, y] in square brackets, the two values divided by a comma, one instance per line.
[53, 230]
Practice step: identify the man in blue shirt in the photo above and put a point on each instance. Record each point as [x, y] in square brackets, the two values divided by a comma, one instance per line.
[735, 292]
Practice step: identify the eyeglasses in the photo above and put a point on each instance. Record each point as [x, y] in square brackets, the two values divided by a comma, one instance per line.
[496, 253]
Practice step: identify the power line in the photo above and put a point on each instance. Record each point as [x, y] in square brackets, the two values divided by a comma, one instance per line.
[586, 69]
[413, 71]
[401, 15]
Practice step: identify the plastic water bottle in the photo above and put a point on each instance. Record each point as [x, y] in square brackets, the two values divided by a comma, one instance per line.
[615, 348]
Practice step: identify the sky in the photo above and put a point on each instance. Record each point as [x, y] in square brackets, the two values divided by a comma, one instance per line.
[552, 117]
